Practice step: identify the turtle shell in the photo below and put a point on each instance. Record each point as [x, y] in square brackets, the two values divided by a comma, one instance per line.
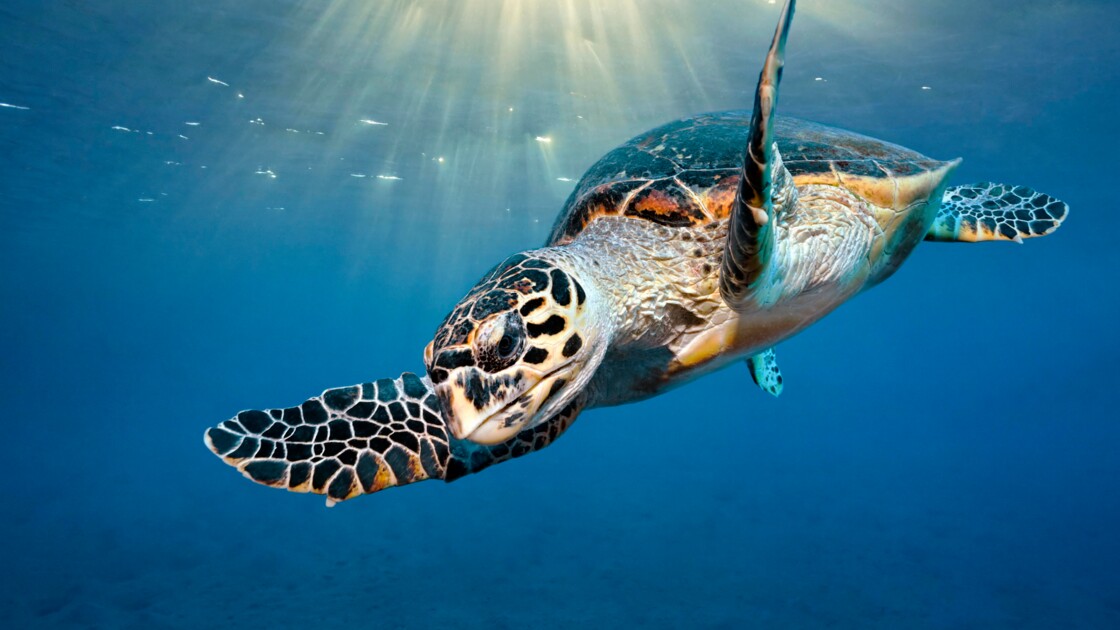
[685, 173]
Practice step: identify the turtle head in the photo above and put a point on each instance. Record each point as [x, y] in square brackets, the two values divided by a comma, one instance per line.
[520, 346]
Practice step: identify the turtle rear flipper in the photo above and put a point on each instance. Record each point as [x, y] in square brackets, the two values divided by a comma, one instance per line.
[995, 212]
[363, 438]
[765, 372]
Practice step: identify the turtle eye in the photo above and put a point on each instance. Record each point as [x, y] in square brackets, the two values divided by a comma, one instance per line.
[506, 345]
[501, 344]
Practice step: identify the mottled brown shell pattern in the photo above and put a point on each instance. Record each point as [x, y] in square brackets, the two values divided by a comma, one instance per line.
[685, 173]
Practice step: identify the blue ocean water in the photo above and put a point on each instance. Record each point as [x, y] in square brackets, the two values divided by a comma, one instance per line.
[213, 206]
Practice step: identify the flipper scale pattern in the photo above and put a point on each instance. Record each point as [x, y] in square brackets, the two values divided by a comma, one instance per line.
[361, 439]
[995, 212]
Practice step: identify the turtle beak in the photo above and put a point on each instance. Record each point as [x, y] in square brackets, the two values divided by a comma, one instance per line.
[490, 432]
[485, 424]
[490, 409]
[461, 416]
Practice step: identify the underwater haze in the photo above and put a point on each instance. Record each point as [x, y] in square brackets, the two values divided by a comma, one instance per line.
[212, 206]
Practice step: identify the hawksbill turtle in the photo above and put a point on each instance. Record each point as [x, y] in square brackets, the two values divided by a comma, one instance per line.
[677, 254]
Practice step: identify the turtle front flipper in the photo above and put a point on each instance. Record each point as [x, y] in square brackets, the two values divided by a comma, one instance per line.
[361, 439]
[995, 212]
[748, 276]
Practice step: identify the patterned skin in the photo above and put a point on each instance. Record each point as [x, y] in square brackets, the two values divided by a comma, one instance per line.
[364, 438]
[517, 349]
[675, 255]
[995, 212]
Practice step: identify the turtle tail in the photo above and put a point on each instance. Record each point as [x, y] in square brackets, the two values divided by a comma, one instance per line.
[361, 439]
[995, 212]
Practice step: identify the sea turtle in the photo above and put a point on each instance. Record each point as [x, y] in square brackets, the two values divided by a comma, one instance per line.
[675, 255]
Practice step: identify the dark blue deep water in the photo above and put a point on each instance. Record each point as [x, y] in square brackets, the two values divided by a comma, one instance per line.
[192, 223]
